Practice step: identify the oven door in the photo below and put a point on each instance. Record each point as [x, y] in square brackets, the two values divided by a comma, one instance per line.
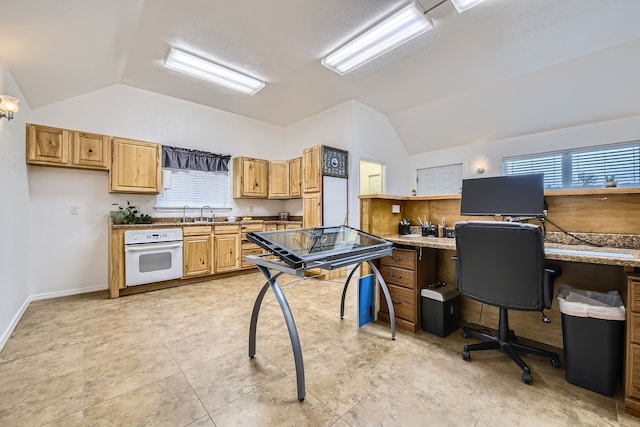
[152, 262]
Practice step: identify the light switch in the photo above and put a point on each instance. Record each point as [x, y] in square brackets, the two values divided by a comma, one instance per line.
[395, 208]
[74, 210]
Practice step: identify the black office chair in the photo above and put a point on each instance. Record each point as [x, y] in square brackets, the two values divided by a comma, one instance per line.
[503, 264]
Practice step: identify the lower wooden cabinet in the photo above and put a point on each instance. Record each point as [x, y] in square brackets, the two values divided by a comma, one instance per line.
[632, 372]
[406, 272]
[226, 247]
[248, 247]
[197, 251]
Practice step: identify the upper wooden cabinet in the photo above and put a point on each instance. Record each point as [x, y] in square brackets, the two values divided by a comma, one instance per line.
[250, 177]
[279, 179]
[136, 167]
[311, 181]
[50, 146]
[295, 178]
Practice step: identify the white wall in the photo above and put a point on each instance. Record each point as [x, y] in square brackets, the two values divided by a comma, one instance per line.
[490, 154]
[365, 133]
[15, 262]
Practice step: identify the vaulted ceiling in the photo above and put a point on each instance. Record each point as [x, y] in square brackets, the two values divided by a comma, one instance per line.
[502, 69]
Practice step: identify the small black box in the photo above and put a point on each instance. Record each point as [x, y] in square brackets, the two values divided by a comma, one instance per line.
[440, 309]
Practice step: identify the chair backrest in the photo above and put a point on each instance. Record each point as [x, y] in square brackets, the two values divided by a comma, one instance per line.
[501, 263]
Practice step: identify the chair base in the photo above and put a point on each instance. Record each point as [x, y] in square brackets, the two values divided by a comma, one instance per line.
[506, 342]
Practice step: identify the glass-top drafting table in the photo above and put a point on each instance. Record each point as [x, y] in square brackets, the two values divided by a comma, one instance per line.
[297, 250]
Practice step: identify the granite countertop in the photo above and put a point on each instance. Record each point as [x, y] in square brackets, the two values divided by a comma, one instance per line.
[577, 253]
[172, 222]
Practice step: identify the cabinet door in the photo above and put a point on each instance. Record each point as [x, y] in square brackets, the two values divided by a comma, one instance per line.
[135, 167]
[278, 179]
[311, 210]
[90, 150]
[47, 145]
[250, 177]
[227, 252]
[295, 178]
[196, 254]
[311, 170]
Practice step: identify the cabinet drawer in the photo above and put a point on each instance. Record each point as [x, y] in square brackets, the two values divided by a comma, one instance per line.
[246, 228]
[196, 230]
[634, 293]
[404, 258]
[399, 276]
[403, 303]
[633, 376]
[227, 229]
[634, 327]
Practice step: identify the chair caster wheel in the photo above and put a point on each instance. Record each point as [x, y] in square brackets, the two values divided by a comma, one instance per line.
[466, 355]
[556, 363]
[465, 335]
[527, 378]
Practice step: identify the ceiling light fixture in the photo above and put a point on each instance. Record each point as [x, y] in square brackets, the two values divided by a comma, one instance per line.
[183, 62]
[8, 106]
[404, 25]
[462, 5]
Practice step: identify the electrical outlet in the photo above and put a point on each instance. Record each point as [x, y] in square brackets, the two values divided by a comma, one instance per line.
[395, 208]
[250, 209]
[74, 210]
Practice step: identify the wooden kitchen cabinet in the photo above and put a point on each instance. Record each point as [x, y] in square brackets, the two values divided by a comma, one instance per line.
[279, 179]
[406, 272]
[250, 178]
[136, 167]
[50, 146]
[295, 178]
[311, 163]
[312, 208]
[247, 247]
[197, 251]
[632, 371]
[226, 247]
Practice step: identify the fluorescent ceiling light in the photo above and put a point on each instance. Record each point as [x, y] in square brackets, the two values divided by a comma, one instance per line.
[183, 62]
[462, 5]
[397, 29]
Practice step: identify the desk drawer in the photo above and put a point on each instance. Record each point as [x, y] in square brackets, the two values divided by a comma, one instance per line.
[399, 276]
[403, 258]
[403, 302]
[634, 327]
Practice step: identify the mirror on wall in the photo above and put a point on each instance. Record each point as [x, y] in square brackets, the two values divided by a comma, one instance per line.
[371, 177]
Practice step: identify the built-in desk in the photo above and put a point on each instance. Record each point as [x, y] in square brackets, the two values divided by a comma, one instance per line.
[553, 251]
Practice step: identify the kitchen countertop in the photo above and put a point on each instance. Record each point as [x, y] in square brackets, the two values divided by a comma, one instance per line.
[578, 253]
[166, 224]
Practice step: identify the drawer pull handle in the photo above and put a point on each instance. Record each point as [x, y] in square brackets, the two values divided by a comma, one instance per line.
[396, 259]
[396, 302]
[393, 276]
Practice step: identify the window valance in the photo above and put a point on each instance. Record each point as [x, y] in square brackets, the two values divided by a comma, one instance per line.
[183, 158]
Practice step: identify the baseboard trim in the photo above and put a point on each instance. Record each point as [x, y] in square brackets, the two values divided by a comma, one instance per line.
[48, 295]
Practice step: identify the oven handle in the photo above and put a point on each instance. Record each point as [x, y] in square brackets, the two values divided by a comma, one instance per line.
[151, 247]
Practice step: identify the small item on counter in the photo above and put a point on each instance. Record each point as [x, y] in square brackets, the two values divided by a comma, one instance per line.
[247, 218]
[231, 218]
[440, 230]
[403, 227]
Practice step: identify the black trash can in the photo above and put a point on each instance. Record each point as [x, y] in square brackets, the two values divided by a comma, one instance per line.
[440, 307]
[593, 335]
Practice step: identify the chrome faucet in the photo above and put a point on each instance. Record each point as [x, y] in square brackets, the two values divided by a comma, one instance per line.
[202, 210]
[184, 213]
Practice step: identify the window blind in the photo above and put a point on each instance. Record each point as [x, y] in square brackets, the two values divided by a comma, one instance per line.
[581, 168]
[196, 189]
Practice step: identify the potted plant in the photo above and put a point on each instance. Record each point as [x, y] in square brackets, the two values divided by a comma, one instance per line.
[610, 181]
[131, 215]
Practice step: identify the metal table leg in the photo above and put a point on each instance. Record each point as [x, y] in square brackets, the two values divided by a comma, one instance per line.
[385, 290]
[291, 326]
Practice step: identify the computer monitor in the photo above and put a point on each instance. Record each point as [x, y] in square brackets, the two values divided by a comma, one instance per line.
[513, 195]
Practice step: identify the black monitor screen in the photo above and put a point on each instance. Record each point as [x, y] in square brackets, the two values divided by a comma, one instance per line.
[513, 195]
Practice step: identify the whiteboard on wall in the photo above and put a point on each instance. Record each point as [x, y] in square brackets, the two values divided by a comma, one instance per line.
[439, 180]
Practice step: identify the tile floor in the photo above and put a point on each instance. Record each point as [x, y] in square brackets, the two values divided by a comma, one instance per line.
[178, 357]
